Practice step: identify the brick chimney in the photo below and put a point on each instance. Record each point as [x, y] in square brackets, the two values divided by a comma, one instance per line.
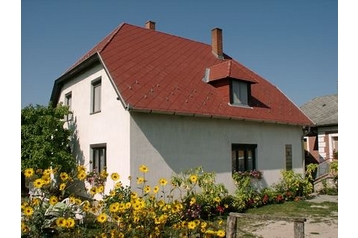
[150, 25]
[217, 42]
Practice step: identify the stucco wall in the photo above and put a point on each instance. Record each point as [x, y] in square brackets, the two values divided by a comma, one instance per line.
[169, 144]
[110, 126]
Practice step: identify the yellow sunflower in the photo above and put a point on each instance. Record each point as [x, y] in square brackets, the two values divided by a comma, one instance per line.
[193, 178]
[64, 176]
[53, 200]
[70, 222]
[28, 211]
[115, 176]
[155, 189]
[140, 180]
[147, 189]
[62, 186]
[81, 175]
[117, 185]
[102, 217]
[38, 183]
[29, 172]
[163, 181]
[61, 222]
[143, 168]
[220, 233]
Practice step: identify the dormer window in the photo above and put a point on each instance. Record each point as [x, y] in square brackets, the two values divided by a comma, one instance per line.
[239, 93]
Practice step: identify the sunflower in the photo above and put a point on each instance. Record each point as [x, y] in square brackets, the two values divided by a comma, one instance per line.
[102, 217]
[115, 176]
[192, 200]
[143, 168]
[163, 181]
[61, 222]
[114, 207]
[81, 169]
[53, 200]
[147, 189]
[193, 178]
[221, 233]
[38, 183]
[28, 211]
[81, 175]
[93, 190]
[64, 176]
[100, 189]
[62, 186]
[70, 222]
[191, 225]
[155, 189]
[140, 180]
[118, 185]
[217, 199]
[29, 172]
[47, 172]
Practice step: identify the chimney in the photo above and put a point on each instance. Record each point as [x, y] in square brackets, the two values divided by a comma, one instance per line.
[217, 42]
[150, 25]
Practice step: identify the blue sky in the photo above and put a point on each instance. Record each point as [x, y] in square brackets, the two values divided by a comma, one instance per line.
[292, 44]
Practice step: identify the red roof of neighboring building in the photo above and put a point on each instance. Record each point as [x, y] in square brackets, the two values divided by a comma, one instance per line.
[159, 72]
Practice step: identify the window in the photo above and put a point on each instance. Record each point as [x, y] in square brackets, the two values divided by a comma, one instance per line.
[68, 102]
[96, 96]
[243, 157]
[288, 152]
[98, 155]
[239, 93]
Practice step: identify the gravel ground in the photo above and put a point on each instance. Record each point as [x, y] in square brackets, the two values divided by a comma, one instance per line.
[326, 228]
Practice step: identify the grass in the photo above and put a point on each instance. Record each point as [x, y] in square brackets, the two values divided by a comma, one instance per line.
[316, 212]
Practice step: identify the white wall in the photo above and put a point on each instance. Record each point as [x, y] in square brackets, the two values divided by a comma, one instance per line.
[170, 144]
[110, 126]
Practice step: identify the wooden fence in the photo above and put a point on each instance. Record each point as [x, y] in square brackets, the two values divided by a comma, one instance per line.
[231, 226]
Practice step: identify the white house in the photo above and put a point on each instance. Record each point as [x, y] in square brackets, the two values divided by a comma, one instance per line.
[141, 96]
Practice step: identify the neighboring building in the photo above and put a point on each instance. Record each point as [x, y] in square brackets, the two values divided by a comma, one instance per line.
[141, 96]
[321, 141]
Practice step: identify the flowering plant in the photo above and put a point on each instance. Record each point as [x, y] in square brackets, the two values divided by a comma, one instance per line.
[97, 179]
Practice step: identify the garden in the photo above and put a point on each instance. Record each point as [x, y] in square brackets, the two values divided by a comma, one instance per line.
[200, 210]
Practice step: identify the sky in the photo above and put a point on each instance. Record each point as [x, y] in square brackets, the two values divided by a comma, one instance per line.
[292, 44]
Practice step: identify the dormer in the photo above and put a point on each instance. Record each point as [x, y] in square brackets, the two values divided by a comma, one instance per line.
[235, 81]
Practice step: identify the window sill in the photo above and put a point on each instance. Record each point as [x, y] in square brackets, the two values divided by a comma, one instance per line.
[92, 113]
[240, 105]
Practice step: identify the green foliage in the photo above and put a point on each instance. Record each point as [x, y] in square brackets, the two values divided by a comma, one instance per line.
[294, 184]
[202, 195]
[247, 189]
[44, 140]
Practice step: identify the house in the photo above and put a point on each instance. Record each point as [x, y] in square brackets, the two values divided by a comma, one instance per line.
[141, 96]
[321, 139]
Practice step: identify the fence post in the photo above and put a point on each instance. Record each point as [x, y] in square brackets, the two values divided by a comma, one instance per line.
[231, 227]
[299, 229]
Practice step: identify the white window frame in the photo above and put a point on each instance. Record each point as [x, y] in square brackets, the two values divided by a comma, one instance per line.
[96, 95]
[239, 93]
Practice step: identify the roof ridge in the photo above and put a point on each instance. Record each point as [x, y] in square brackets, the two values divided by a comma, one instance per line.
[112, 36]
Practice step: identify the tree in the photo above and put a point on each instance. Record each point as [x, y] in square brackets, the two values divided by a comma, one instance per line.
[44, 139]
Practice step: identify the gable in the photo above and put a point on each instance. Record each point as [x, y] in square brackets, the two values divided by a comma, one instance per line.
[158, 72]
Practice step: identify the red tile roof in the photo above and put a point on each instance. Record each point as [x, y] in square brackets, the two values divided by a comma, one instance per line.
[159, 72]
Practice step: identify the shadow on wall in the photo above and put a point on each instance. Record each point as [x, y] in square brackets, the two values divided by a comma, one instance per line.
[74, 143]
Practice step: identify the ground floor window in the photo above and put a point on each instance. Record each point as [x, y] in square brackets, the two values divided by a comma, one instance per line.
[98, 158]
[243, 157]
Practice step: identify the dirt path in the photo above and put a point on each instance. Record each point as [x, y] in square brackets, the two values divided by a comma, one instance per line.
[322, 228]
[281, 229]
